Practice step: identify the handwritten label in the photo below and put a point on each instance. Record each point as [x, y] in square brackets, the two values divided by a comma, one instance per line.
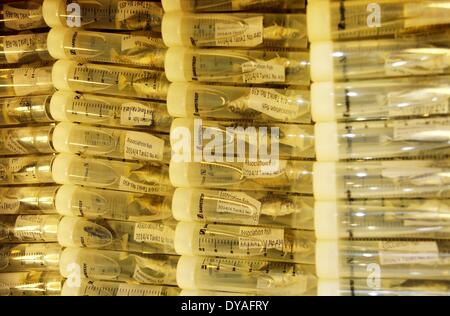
[153, 233]
[273, 104]
[245, 33]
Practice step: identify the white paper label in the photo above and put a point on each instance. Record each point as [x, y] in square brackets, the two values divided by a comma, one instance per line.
[436, 129]
[417, 103]
[404, 252]
[143, 146]
[133, 41]
[273, 104]
[423, 14]
[126, 184]
[8, 205]
[261, 237]
[135, 114]
[28, 227]
[125, 289]
[141, 276]
[17, 46]
[153, 233]
[22, 19]
[128, 9]
[261, 169]
[263, 72]
[239, 203]
[245, 33]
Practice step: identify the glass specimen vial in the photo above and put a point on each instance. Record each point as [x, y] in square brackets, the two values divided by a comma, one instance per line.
[26, 140]
[25, 81]
[32, 283]
[28, 228]
[29, 257]
[28, 200]
[26, 170]
[230, 5]
[21, 15]
[24, 48]
[25, 110]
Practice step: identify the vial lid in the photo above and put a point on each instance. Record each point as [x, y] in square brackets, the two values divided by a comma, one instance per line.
[318, 18]
[66, 228]
[68, 257]
[61, 136]
[60, 73]
[328, 287]
[324, 181]
[172, 30]
[179, 174]
[327, 259]
[326, 220]
[183, 125]
[63, 200]
[186, 272]
[55, 42]
[322, 102]
[60, 168]
[182, 204]
[59, 103]
[178, 104]
[69, 289]
[178, 64]
[322, 66]
[172, 5]
[53, 11]
[186, 234]
[327, 138]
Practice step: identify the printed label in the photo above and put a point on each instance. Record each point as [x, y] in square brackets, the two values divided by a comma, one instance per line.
[404, 252]
[241, 204]
[153, 233]
[261, 169]
[133, 41]
[15, 47]
[28, 227]
[245, 33]
[138, 290]
[143, 146]
[261, 237]
[22, 19]
[417, 103]
[272, 103]
[263, 72]
[437, 129]
[128, 9]
[136, 114]
[142, 276]
[126, 184]
[8, 205]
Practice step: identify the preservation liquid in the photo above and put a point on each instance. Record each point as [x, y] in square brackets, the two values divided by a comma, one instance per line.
[26, 140]
[25, 81]
[230, 5]
[26, 170]
[24, 48]
[29, 257]
[33, 283]
[25, 110]
[28, 228]
[28, 200]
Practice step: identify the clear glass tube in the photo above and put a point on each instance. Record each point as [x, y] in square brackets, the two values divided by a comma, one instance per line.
[422, 260]
[106, 288]
[99, 203]
[26, 140]
[231, 5]
[283, 175]
[235, 30]
[140, 237]
[24, 48]
[149, 177]
[26, 257]
[28, 200]
[104, 14]
[106, 265]
[137, 49]
[28, 228]
[343, 20]
[21, 15]
[380, 99]
[109, 111]
[237, 66]
[419, 138]
[383, 287]
[246, 276]
[409, 56]
[112, 80]
[25, 81]
[382, 179]
[399, 218]
[90, 140]
[244, 208]
[25, 110]
[26, 170]
[228, 139]
[263, 243]
[224, 102]
[33, 283]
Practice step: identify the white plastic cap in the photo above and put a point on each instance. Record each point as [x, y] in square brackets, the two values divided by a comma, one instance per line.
[59, 103]
[69, 289]
[60, 73]
[325, 181]
[183, 204]
[186, 272]
[172, 5]
[61, 136]
[322, 102]
[327, 259]
[55, 42]
[68, 257]
[178, 104]
[53, 12]
[63, 200]
[328, 287]
[327, 142]
[326, 220]
[322, 64]
[66, 228]
[183, 124]
[178, 64]
[179, 174]
[318, 17]
[173, 30]
[186, 235]
[60, 168]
